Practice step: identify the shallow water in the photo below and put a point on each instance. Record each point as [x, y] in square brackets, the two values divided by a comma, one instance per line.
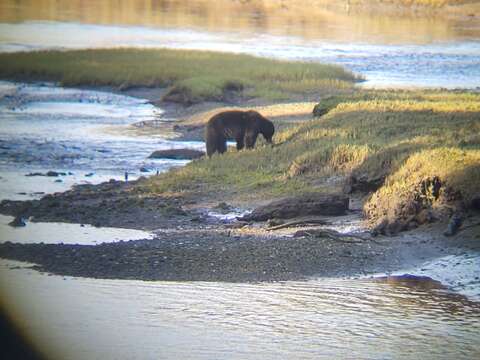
[400, 51]
[437, 64]
[77, 132]
[461, 273]
[321, 319]
[63, 233]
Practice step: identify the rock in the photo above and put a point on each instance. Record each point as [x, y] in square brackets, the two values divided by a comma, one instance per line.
[310, 204]
[380, 228]
[144, 169]
[48, 173]
[19, 221]
[58, 180]
[177, 154]
[223, 208]
[425, 216]
[179, 94]
[171, 210]
[454, 224]
[89, 174]
[362, 183]
[475, 203]
[275, 222]
[301, 233]
[396, 226]
[237, 225]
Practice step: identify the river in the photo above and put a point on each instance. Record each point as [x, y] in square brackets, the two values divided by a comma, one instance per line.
[389, 51]
[320, 319]
[78, 133]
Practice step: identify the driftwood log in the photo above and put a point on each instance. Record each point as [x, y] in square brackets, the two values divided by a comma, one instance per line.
[305, 205]
[300, 222]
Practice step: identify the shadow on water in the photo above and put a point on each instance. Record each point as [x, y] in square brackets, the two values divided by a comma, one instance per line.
[309, 320]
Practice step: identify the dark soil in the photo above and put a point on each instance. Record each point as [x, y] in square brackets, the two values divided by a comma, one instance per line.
[111, 204]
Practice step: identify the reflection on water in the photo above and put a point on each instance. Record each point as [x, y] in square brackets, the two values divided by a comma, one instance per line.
[309, 320]
[320, 19]
[394, 51]
[62, 233]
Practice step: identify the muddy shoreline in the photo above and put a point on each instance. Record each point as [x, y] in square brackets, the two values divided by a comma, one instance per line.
[190, 245]
[216, 254]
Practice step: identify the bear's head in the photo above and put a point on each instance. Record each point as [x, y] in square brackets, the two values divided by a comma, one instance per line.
[264, 126]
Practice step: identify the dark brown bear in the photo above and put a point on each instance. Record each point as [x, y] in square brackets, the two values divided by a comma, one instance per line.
[241, 126]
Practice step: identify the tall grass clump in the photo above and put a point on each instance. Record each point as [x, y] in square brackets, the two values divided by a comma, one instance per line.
[437, 181]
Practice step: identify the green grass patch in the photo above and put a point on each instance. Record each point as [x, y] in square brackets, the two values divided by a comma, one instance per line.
[374, 134]
[192, 75]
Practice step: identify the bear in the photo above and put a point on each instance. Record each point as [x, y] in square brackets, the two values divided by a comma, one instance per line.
[241, 126]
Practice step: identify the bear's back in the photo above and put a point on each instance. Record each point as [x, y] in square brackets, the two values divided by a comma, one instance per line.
[229, 119]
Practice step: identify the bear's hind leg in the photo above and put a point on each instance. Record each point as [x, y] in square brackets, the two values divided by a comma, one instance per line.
[211, 143]
[240, 143]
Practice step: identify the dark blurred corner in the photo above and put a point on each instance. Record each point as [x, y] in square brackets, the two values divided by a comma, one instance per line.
[13, 345]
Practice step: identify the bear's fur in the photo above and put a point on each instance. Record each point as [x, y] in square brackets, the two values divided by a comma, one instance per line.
[241, 126]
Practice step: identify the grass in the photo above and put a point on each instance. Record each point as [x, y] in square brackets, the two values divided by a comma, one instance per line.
[428, 179]
[192, 76]
[404, 137]
[408, 3]
[403, 140]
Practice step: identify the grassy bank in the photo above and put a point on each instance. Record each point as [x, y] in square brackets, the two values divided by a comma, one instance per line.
[392, 140]
[192, 76]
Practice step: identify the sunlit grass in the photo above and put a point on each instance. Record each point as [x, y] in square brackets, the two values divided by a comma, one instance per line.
[376, 135]
[408, 3]
[457, 170]
[198, 75]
